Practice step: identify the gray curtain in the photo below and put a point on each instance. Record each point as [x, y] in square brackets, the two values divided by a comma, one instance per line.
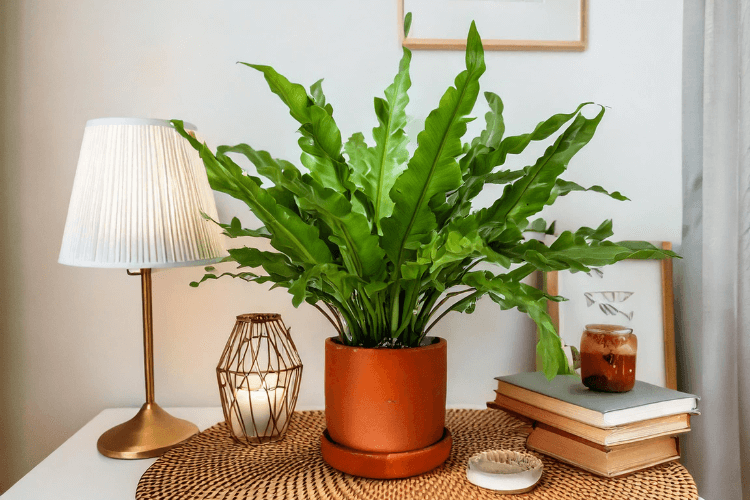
[713, 279]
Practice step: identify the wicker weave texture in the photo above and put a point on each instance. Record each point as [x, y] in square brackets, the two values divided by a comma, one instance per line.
[213, 466]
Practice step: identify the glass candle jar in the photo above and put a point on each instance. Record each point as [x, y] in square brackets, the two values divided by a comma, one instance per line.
[608, 358]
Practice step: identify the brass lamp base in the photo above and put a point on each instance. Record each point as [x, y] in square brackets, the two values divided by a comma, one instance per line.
[149, 434]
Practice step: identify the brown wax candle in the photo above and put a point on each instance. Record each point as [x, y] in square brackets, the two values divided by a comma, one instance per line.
[608, 358]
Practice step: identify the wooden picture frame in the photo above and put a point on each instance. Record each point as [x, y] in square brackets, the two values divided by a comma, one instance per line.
[553, 286]
[578, 45]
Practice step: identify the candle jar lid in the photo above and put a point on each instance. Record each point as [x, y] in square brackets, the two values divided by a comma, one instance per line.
[609, 329]
[605, 337]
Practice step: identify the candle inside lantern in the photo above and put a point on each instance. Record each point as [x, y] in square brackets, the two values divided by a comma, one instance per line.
[255, 381]
[258, 406]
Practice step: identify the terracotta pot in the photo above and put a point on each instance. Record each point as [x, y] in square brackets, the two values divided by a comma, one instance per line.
[385, 400]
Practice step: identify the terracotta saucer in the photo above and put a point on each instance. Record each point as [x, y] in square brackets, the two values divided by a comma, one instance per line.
[385, 465]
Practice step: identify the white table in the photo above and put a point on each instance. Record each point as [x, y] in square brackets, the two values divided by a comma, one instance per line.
[77, 471]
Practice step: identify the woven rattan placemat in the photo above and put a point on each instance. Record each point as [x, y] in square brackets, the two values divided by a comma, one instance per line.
[212, 466]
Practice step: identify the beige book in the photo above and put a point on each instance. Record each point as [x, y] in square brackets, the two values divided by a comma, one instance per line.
[637, 431]
[607, 461]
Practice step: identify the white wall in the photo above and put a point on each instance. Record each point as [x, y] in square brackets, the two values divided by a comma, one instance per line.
[70, 343]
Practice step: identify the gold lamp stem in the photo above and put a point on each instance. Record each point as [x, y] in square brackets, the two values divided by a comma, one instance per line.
[148, 334]
[152, 431]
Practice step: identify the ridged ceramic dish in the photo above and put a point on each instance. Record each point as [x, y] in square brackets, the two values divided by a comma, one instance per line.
[507, 472]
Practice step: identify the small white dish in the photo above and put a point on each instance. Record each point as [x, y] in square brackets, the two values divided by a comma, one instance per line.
[507, 472]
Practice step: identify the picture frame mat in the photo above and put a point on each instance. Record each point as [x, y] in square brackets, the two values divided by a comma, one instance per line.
[652, 321]
[541, 42]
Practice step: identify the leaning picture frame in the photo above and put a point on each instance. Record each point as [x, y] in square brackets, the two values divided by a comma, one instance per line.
[634, 293]
[518, 25]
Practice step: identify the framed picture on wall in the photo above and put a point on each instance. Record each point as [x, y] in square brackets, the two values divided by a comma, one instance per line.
[559, 25]
[637, 294]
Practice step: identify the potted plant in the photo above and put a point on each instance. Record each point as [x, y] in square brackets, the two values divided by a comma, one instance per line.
[385, 244]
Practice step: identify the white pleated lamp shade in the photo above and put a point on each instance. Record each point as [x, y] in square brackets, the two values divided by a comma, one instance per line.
[138, 195]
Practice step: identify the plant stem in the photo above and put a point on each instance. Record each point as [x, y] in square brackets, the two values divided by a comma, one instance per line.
[452, 308]
[337, 327]
[448, 296]
[337, 315]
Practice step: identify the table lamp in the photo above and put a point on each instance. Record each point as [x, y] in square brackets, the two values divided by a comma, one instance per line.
[137, 202]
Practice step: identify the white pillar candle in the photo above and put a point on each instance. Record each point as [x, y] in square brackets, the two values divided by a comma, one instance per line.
[264, 403]
[254, 381]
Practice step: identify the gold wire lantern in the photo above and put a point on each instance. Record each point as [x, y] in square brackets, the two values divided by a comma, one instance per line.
[259, 378]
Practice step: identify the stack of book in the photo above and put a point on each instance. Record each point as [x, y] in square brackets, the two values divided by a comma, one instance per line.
[608, 434]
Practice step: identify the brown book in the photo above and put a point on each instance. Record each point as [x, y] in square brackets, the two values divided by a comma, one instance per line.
[607, 461]
[637, 431]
